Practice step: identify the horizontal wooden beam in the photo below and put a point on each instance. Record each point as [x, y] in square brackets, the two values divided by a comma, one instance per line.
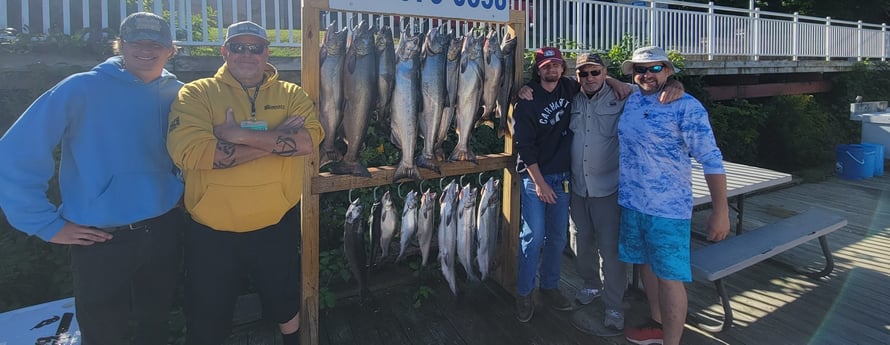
[327, 182]
[718, 93]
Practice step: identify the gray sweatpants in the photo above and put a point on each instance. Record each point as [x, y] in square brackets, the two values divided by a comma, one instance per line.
[595, 223]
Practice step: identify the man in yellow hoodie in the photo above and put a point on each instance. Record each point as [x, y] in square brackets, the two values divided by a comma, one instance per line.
[241, 138]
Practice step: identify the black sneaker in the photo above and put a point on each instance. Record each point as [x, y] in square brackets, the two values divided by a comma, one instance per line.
[525, 308]
[555, 299]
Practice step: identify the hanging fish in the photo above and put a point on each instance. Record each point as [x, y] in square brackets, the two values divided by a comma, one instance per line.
[386, 70]
[469, 95]
[359, 99]
[466, 229]
[354, 246]
[405, 102]
[452, 73]
[425, 224]
[487, 225]
[333, 51]
[374, 223]
[432, 88]
[448, 233]
[409, 223]
[388, 219]
[508, 52]
[493, 64]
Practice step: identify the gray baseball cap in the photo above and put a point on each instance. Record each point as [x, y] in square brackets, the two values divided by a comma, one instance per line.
[145, 26]
[246, 28]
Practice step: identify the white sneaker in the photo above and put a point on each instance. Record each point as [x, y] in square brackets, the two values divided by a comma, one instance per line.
[614, 319]
[587, 295]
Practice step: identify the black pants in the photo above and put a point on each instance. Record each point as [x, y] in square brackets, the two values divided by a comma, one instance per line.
[220, 263]
[132, 277]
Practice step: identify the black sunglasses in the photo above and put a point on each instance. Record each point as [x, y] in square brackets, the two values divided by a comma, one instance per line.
[241, 48]
[594, 73]
[653, 69]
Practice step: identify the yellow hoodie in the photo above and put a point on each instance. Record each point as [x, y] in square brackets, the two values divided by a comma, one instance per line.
[252, 195]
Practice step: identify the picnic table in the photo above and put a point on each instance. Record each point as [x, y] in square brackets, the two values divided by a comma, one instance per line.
[741, 180]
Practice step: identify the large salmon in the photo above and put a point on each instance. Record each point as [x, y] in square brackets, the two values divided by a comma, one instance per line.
[452, 73]
[405, 102]
[432, 88]
[508, 51]
[386, 70]
[359, 99]
[469, 95]
[494, 77]
[330, 95]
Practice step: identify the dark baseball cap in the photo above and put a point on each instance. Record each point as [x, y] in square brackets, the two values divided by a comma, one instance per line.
[547, 54]
[585, 59]
[145, 26]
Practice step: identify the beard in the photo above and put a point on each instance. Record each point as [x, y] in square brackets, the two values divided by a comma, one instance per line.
[550, 78]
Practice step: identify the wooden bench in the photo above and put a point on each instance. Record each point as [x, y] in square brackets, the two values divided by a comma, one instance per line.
[716, 261]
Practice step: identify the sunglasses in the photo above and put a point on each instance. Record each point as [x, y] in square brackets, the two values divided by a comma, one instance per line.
[241, 48]
[652, 69]
[593, 73]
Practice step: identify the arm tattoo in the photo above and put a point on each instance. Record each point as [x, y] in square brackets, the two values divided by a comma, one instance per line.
[287, 146]
[226, 155]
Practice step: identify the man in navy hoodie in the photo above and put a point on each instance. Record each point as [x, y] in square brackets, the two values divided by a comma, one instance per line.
[118, 186]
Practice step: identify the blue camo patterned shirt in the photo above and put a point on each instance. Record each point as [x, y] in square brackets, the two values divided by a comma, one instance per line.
[655, 143]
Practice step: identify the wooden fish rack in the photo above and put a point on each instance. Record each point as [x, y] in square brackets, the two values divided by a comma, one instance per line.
[315, 184]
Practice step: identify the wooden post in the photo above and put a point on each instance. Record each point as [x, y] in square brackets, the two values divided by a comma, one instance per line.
[309, 204]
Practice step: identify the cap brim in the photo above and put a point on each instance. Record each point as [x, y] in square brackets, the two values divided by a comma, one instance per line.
[148, 36]
[588, 64]
[247, 34]
[549, 60]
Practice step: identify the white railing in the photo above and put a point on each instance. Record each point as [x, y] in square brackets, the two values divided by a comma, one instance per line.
[694, 30]
[702, 29]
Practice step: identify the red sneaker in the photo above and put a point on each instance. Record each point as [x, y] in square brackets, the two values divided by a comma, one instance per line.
[649, 333]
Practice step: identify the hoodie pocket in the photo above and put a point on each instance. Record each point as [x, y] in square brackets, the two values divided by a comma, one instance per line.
[241, 208]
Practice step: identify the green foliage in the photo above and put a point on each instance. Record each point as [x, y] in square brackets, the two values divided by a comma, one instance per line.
[737, 125]
[423, 293]
[799, 133]
[332, 266]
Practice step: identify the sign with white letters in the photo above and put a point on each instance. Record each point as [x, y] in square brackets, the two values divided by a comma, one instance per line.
[482, 10]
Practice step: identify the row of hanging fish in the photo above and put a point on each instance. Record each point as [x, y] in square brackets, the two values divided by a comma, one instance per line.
[428, 84]
[467, 232]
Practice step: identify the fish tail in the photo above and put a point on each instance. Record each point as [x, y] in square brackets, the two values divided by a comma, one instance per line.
[406, 172]
[329, 155]
[427, 163]
[462, 155]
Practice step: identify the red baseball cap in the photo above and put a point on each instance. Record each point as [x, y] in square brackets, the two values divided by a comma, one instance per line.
[547, 54]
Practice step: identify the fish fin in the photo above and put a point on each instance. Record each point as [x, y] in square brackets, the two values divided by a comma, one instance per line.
[351, 59]
[462, 155]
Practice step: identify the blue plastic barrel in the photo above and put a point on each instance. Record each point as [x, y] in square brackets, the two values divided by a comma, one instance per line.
[855, 162]
[879, 157]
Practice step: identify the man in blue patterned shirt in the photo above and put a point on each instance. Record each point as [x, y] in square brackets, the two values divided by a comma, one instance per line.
[655, 191]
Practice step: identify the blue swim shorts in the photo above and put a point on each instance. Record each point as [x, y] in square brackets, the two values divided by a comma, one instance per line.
[663, 243]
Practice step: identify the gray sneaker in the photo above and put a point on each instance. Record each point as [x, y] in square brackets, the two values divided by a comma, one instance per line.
[555, 299]
[614, 319]
[525, 308]
[586, 295]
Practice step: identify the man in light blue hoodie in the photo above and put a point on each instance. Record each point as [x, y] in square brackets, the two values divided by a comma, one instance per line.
[119, 188]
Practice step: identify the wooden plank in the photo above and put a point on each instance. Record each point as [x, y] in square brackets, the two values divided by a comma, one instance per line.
[327, 182]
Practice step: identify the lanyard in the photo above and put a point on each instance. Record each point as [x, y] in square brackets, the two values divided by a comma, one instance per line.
[252, 99]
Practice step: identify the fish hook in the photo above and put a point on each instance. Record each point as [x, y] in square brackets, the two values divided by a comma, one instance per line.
[350, 195]
[462, 180]
[479, 178]
[399, 190]
[375, 192]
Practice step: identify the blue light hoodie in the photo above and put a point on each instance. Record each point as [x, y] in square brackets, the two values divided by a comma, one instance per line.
[114, 168]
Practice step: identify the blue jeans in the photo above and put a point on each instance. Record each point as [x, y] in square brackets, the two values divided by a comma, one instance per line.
[543, 226]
